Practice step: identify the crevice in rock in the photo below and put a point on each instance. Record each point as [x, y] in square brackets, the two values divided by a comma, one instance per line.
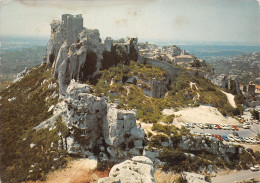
[51, 57]
[89, 66]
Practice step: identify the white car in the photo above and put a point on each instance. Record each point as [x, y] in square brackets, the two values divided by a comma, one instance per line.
[254, 168]
[230, 136]
[246, 126]
[247, 139]
[231, 139]
[226, 128]
[215, 127]
[253, 141]
[237, 139]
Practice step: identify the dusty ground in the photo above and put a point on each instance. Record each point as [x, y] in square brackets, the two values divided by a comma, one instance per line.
[77, 171]
[254, 147]
[230, 98]
[201, 114]
[146, 126]
[163, 177]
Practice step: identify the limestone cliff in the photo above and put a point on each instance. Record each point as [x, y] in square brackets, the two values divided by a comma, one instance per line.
[75, 52]
[95, 125]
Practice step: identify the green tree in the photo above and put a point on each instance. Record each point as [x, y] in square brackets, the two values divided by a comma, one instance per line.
[255, 114]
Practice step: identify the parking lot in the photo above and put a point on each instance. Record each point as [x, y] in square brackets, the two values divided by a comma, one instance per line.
[232, 134]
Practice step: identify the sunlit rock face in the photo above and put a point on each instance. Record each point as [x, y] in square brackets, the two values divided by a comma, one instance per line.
[75, 52]
[138, 169]
[94, 122]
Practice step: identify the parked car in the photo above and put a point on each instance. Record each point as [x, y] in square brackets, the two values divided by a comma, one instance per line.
[211, 126]
[219, 137]
[192, 125]
[230, 136]
[235, 127]
[247, 139]
[235, 134]
[225, 138]
[242, 139]
[208, 134]
[218, 127]
[231, 139]
[215, 127]
[196, 133]
[254, 141]
[246, 126]
[237, 139]
[254, 168]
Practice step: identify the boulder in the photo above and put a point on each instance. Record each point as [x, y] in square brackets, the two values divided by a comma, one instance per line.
[109, 180]
[138, 169]
[194, 178]
[151, 154]
[119, 126]
[21, 75]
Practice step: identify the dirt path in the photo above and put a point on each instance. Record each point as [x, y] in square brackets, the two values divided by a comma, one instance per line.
[238, 176]
[77, 171]
[230, 98]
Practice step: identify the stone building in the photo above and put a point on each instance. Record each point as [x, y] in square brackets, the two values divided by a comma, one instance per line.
[251, 89]
[184, 60]
[71, 26]
[108, 43]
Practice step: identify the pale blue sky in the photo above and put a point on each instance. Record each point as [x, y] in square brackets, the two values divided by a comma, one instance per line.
[235, 21]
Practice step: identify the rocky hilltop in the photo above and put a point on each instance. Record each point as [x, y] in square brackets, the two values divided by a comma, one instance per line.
[94, 99]
[75, 52]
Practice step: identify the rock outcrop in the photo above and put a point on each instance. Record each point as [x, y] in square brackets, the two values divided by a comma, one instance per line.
[194, 178]
[138, 169]
[76, 52]
[228, 82]
[21, 75]
[154, 88]
[211, 145]
[95, 125]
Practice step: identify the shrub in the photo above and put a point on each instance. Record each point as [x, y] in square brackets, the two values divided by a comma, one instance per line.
[167, 129]
[16, 122]
[169, 119]
[255, 114]
[239, 99]
[173, 159]
[104, 165]
[157, 139]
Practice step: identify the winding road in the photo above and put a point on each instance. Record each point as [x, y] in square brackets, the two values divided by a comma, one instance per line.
[238, 176]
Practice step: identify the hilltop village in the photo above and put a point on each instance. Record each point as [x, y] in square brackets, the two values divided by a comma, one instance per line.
[138, 111]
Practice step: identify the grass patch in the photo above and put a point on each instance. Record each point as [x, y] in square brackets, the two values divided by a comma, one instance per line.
[18, 118]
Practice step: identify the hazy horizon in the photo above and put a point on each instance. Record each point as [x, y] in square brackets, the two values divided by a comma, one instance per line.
[177, 21]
